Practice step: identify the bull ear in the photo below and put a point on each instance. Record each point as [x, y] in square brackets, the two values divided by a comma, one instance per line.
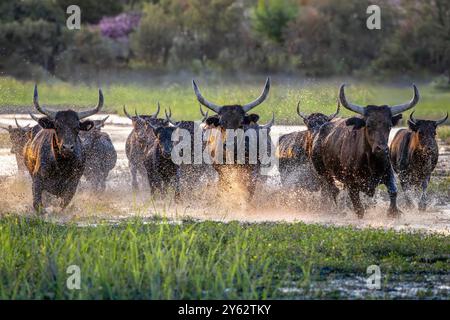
[212, 121]
[253, 117]
[412, 125]
[396, 119]
[86, 125]
[46, 123]
[357, 123]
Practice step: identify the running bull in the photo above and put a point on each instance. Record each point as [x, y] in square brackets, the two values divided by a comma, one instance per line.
[355, 151]
[55, 157]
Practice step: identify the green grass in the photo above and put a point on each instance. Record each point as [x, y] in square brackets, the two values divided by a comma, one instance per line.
[192, 260]
[283, 98]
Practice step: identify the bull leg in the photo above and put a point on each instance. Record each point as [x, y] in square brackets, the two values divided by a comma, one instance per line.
[423, 197]
[177, 186]
[356, 201]
[389, 182]
[406, 188]
[68, 195]
[329, 188]
[37, 196]
[134, 183]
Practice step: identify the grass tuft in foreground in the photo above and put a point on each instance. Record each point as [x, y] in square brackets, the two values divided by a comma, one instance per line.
[200, 260]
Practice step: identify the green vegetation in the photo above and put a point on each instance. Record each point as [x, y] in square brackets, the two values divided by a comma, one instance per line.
[208, 260]
[283, 98]
[313, 38]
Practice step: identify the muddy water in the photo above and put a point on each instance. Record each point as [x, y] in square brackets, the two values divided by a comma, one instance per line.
[270, 203]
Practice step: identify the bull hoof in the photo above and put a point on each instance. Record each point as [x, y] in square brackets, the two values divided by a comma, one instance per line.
[394, 212]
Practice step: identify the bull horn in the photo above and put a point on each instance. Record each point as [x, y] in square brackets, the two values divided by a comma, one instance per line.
[19, 126]
[88, 113]
[168, 117]
[48, 113]
[332, 116]
[348, 105]
[260, 99]
[154, 115]
[34, 117]
[270, 123]
[403, 107]
[411, 118]
[203, 101]
[204, 114]
[438, 122]
[127, 114]
[5, 127]
[301, 114]
[102, 123]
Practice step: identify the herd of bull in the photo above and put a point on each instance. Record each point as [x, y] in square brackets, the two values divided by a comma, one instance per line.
[62, 147]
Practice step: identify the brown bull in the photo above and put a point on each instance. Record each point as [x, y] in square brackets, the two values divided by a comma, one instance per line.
[355, 151]
[139, 140]
[294, 151]
[55, 157]
[227, 120]
[414, 154]
[19, 136]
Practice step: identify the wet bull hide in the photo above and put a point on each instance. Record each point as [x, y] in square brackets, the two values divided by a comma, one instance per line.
[414, 154]
[355, 151]
[161, 170]
[19, 136]
[294, 152]
[228, 119]
[55, 157]
[139, 140]
[101, 156]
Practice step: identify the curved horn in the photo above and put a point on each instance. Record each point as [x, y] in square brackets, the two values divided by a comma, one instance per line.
[48, 113]
[127, 114]
[348, 105]
[301, 114]
[204, 114]
[5, 127]
[203, 101]
[19, 126]
[88, 113]
[403, 107]
[411, 118]
[332, 116]
[154, 115]
[168, 117]
[102, 122]
[260, 99]
[270, 123]
[438, 122]
[34, 117]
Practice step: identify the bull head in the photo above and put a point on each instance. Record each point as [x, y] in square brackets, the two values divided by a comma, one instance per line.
[377, 121]
[315, 120]
[425, 131]
[231, 116]
[67, 123]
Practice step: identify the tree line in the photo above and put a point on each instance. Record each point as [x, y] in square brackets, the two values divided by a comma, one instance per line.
[312, 38]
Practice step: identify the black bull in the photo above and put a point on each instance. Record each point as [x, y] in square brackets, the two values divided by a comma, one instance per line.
[101, 156]
[230, 118]
[414, 154]
[355, 151]
[294, 152]
[55, 157]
